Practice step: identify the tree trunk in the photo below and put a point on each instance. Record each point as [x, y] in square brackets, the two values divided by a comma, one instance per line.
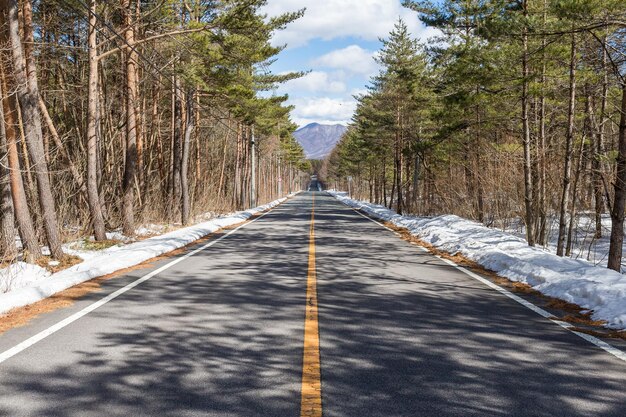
[253, 169]
[185, 207]
[598, 152]
[569, 140]
[8, 249]
[140, 110]
[416, 181]
[572, 214]
[198, 185]
[10, 122]
[245, 187]
[28, 96]
[384, 182]
[619, 200]
[393, 184]
[290, 175]
[541, 145]
[170, 168]
[476, 171]
[238, 176]
[469, 181]
[528, 186]
[542, 158]
[398, 165]
[178, 139]
[220, 186]
[130, 164]
[93, 198]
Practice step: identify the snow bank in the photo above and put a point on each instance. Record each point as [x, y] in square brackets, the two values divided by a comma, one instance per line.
[21, 274]
[585, 245]
[577, 281]
[32, 283]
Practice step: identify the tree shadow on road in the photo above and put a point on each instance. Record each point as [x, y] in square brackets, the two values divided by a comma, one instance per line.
[223, 338]
[404, 334]
[401, 335]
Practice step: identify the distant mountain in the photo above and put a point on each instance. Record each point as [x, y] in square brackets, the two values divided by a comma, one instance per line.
[319, 140]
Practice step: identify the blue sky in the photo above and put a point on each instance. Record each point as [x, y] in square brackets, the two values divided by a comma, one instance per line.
[335, 40]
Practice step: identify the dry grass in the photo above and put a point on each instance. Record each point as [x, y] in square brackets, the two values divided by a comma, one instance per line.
[64, 263]
[5, 263]
[583, 319]
[605, 333]
[564, 311]
[99, 244]
[22, 315]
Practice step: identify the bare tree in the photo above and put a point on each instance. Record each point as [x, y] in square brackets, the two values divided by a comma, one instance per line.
[128, 204]
[569, 141]
[28, 96]
[11, 133]
[619, 201]
[7, 218]
[184, 172]
[528, 184]
[93, 197]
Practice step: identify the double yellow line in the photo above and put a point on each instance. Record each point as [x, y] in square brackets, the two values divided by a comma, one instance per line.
[311, 403]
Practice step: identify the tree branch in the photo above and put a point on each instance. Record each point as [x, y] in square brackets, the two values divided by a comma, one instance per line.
[151, 38]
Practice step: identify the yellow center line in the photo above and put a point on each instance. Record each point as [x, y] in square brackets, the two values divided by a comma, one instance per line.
[311, 405]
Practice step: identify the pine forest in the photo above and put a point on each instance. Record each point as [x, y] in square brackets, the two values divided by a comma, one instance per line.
[516, 110]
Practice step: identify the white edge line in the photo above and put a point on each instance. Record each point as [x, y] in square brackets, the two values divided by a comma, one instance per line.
[567, 326]
[7, 354]
[370, 219]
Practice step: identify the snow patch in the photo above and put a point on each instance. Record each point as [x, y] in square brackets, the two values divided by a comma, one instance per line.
[577, 281]
[152, 229]
[21, 274]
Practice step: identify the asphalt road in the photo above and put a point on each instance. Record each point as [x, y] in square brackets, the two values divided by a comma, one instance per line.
[221, 333]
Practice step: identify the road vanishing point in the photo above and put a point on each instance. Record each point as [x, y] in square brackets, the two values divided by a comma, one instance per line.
[309, 310]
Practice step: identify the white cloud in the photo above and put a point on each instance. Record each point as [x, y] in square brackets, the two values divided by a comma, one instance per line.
[330, 19]
[322, 110]
[326, 94]
[315, 81]
[301, 122]
[352, 58]
[359, 91]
